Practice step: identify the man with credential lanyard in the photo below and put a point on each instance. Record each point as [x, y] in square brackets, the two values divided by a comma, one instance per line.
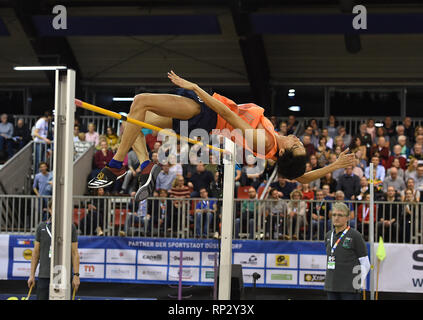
[42, 255]
[345, 249]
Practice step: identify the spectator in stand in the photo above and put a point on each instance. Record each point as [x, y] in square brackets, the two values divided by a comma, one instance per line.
[338, 172]
[332, 127]
[319, 215]
[342, 132]
[296, 214]
[112, 138]
[316, 129]
[410, 209]
[314, 163]
[357, 169]
[75, 133]
[405, 150]
[275, 211]
[284, 187]
[349, 183]
[314, 140]
[408, 129]
[101, 158]
[388, 215]
[249, 215]
[363, 216]
[411, 169]
[292, 124]
[418, 178]
[322, 152]
[389, 127]
[326, 192]
[419, 139]
[100, 139]
[364, 188]
[6, 135]
[329, 140]
[381, 150]
[378, 186]
[151, 139]
[362, 162]
[204, 212]
[251, 173]
[174, 166]
[418, 131]
[21, 134]
[80, 146]
[274, 121]
[396, 165]
[340, 197]
[212, 164]
[371, 129]
[315, 183]
[329, 180]
[309, 147]
[97, 210]
[380, 170]
[307, 193]
[356, 146]
[165, 178]
[140, 217]
[92, 136]
[41, 131]
[381, 132]
[200, 179]
[43, 187]
[339, 143]
[179, 189]
[130, 180]
[417, 153]
[366, 139]
[393, 180]
[283, 128]
[396, 154]
[410, 185]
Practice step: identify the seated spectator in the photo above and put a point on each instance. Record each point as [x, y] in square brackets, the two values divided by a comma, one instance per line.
[342, 132]
[371, 129]
[216, 190]
[179, 189]
[319, 213]
[329, 140]
[274, 122]
[322, 152]
[410, 185]
[165, 178]
[6, 135]
[356, 146]
[377, 185]
[204, 212]
[92, 136]
[418, 178]
[174, 166]
[314, 163]
[409, 129]
[381, 133]
[21, 134]
[411, 169]
[327, 194]
[329, 180]
[249, 215]
[357, 170]
[283, 128]
[340, 197]
[381, 151]
[363, 216]
[339, 143]
[419, 138]
[315, 183]
[251, 173]
[316, 130]
[405, 150]
[388, 215]
[101, 138]
[156, 147]
[296, 215]
[101, 158]
[291, 125]
[96, 212]
[41, 138]
[130, 181]
[389, 127]
[397, 166]
[332, 127]
[80, 146]
[212, 165]
[379, 169]
[275, 215]
[314, 139]
[43, 187]
[364, 188]
[410, 209]
[307, 193]
[284, 187]
[362, 160]
[309, 147]
[75, 133]
[140, 218]
[349, 183]
[396, 154]
[366, 138]
[112, 138]
[417, 153]
[393, 180]
[200, 179]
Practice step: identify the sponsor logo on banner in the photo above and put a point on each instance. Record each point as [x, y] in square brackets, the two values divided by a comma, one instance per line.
[152, 273]
[288, 277]
[120, 272]
[24, 242]
[207, 275]
[207, 259]
[152, 257]
[91, 255]
[27, 254]
[22, 254]
[94, 271]
[247, 275]
[22, 270]
[282, 260]
[188, 274]
[313, 278]
[121, 256]
[313, 261]
[249, 259]
[281, 276]
[188, 259]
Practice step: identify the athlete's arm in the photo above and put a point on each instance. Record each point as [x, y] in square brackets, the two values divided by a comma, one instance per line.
[233, 119]
[344, 160]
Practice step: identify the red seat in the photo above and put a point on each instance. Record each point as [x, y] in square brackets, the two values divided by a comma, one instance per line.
[120, 216]
[243, 192]
[260, 191]
[78, 214]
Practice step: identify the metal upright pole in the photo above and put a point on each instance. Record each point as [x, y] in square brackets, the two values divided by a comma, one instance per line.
[225, 268]
[60, 273]
[371, 235]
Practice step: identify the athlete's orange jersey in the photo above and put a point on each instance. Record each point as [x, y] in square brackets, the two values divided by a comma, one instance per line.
[253, 115]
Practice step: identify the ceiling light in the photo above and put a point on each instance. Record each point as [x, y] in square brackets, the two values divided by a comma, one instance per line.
[294, 108]
[38, 68]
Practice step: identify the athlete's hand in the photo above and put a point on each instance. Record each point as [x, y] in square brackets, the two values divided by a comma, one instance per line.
[177, 80]
[345, 159]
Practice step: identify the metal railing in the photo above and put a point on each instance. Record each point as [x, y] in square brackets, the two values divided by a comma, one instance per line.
[309, 220]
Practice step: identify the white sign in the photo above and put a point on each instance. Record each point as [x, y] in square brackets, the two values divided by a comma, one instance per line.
[22, 270]
[91, 255]
[22, 254]
[402, 269]
[4, 255]
[312, 278]
[313, 261]
[152, 273]
[247, 275]
[288, 277]
[152, 257]
[207, 259]
[207, 275]
[281, 260]
[188, 274]
[120, 272]
[254, 260]
[188, 258]
[91, 271]
[121, 256]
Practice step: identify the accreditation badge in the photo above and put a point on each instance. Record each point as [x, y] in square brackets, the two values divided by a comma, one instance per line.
[331, 262]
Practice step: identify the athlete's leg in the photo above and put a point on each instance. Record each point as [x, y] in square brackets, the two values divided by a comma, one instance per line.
[165, 105]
